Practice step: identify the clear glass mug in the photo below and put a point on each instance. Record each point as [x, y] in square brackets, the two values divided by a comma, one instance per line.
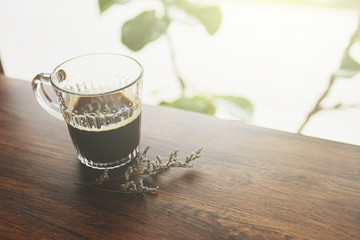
[99, 97]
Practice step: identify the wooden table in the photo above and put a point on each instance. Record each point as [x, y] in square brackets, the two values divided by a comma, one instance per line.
[250, 183]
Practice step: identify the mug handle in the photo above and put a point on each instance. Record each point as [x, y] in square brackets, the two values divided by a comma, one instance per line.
[43, 98]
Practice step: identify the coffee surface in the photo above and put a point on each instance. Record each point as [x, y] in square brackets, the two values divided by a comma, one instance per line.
[102, 104]
[108, 144]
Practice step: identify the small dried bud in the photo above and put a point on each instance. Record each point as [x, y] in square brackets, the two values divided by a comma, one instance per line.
[126, 176]
[159, 159]
[132, 186]
[102, 178]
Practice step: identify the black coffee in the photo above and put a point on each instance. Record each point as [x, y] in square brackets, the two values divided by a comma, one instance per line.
[108, 145]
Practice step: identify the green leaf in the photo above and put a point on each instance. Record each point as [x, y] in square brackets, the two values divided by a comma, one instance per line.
[142, 29]
[195, 104]
[209, 16]
[236, 107]
[348, 67]
[357, 39]
[106, 4]
[226, 106]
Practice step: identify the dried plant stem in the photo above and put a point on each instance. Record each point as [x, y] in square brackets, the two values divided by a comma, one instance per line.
[342, 106]
[1, 68]
[112, 190]
[150, 168]
[173, 61]
[317, 107]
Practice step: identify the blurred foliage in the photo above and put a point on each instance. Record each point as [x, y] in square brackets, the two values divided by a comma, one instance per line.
[325, 3]
[106, 4]
[149, 25]
[209, 16]
[195, 104]
[142, 29]
[349, 67]
[234, 107]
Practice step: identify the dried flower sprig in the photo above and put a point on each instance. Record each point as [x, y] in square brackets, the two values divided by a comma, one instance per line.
[152, 167]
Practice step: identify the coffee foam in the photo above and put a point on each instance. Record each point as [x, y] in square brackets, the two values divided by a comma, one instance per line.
[102, 113]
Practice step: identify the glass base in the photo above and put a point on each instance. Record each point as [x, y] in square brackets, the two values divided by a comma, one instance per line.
[109, 165]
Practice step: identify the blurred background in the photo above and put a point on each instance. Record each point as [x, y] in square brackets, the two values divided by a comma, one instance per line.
[267, 63]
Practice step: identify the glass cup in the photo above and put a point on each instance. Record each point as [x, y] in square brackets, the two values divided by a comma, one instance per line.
[99, 97]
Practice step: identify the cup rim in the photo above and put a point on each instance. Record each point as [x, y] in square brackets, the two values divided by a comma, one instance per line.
[52, 75]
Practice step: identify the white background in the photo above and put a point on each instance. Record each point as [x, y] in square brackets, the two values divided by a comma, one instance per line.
[277, 55]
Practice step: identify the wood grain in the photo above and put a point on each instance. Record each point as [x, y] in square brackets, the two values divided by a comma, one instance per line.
[251, 182]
